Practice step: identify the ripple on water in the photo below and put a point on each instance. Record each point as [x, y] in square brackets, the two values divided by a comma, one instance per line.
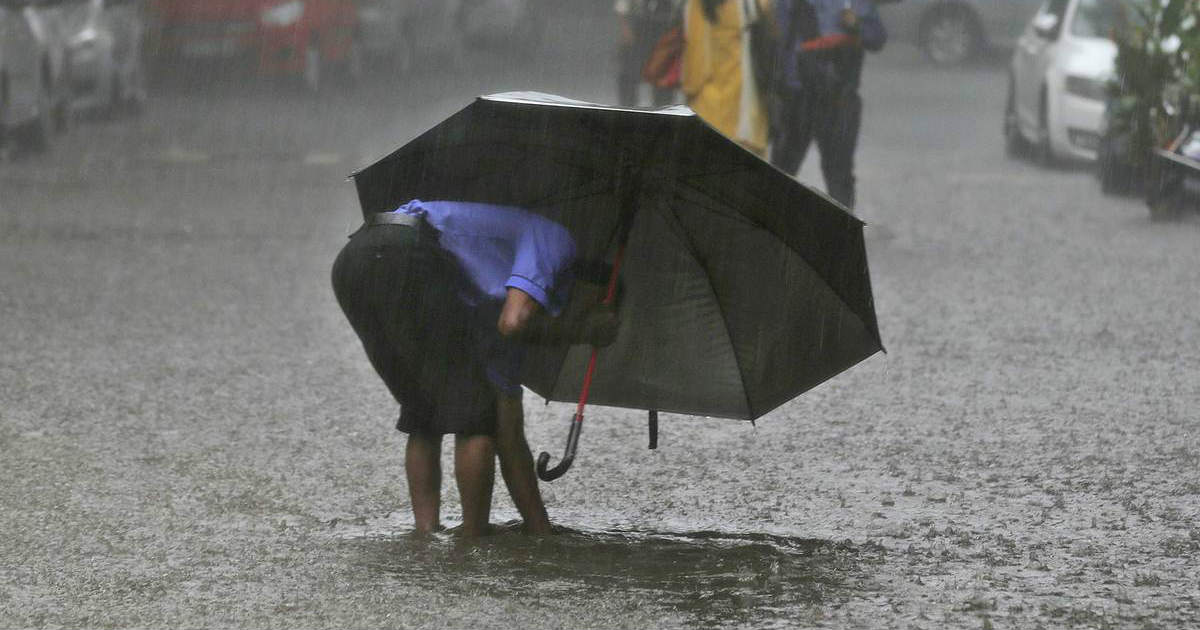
[708, 577]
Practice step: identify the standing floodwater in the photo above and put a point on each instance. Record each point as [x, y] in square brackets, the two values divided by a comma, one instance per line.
[666, 579]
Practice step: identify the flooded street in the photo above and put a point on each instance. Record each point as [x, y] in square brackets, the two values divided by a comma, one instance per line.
[190, 435]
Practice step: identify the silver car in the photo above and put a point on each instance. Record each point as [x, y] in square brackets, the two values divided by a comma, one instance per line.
[34, 95]
[103, 44]
[952, 31]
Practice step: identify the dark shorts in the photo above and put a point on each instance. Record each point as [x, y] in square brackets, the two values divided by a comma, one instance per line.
[403, 295]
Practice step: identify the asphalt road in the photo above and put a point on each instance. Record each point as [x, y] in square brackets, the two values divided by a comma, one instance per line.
[191, 437]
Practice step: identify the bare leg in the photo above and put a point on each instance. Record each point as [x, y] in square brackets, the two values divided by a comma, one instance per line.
[423, 465]
[475, 470]
[516, 464]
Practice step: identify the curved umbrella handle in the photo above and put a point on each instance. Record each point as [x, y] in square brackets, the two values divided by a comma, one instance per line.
[550, 474]
[568, 455]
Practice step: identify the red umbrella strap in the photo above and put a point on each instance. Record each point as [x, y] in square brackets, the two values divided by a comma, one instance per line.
[828, 42]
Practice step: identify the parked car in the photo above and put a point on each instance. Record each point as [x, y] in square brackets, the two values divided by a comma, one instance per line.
[953, 31]
[1058, 79]
[301, 38]
[407, 33]
[102, 40]
[34, 95]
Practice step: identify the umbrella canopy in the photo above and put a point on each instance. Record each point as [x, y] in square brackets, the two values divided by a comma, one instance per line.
[742, 288]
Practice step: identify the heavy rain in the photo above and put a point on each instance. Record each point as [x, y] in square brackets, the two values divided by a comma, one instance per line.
[191, 434]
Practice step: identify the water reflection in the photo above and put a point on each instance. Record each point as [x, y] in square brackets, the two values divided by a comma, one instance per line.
[707, 577]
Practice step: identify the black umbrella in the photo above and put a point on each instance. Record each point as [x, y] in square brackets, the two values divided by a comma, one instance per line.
[742, 288]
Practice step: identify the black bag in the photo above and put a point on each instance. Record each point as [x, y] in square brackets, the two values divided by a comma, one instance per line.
[763, 48]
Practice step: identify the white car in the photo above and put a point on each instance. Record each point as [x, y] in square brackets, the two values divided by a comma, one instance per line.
[952, 31]
[1059, 78]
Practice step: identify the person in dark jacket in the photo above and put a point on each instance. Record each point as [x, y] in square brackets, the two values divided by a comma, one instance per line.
[822, 45]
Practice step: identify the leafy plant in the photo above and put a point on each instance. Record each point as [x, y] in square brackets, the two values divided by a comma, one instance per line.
[1157, 49]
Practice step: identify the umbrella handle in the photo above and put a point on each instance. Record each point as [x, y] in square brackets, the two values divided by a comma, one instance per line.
[568, 455]
[543, 462]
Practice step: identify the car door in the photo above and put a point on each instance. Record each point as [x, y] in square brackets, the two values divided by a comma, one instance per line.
[1034, 51]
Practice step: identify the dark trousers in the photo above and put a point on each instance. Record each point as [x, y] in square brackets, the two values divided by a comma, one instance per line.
[630, 60]
[403, 296]
[832, 116]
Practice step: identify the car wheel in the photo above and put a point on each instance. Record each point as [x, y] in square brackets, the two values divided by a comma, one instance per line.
[950, 35]
[312, 66]
[1015, 144]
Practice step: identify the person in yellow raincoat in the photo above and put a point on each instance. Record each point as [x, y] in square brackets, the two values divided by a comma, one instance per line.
[718, 80]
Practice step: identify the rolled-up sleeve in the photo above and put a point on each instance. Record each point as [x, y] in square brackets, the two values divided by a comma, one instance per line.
[544, 252]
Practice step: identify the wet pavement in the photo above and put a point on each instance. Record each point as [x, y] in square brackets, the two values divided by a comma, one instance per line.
[190, 435]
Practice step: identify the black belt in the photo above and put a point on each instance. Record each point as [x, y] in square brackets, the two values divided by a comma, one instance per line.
[391, 218]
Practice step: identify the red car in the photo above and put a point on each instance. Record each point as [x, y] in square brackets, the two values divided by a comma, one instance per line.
[281, 37]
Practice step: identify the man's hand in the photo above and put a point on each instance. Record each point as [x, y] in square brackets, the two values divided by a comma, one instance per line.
[849, 21]
[583, 321]
[600, 325]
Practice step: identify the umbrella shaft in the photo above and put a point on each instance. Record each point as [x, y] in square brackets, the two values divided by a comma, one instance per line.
[587, 385]
[608, 298]
[612, 278]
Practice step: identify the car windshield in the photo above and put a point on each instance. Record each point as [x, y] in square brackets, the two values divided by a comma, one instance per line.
[1101, 18]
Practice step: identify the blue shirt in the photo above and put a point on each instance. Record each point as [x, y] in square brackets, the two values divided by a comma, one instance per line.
[871, 32]
[829, 19]
[501, 247]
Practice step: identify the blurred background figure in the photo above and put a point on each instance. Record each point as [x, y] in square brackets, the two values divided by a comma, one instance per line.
[718, 81]
[641, 24]
[822, 48]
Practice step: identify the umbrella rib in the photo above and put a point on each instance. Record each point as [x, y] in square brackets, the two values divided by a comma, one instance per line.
[466, 180]
[828, 285]
[683, 235]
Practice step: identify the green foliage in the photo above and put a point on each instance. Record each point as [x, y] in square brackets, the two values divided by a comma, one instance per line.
[1158, 49]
